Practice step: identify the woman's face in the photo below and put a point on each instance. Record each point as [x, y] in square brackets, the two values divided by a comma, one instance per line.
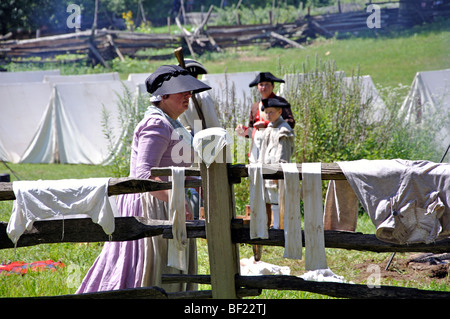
[265, 89]
[175, 104]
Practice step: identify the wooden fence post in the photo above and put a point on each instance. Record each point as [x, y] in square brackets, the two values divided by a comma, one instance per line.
[219, 211]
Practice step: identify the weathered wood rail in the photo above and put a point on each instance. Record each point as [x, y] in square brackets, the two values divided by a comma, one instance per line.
[225, 284]
[108, 44]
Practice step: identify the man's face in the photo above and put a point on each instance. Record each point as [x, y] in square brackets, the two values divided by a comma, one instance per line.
[265, 89]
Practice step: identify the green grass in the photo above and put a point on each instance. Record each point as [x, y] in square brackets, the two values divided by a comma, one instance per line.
[389, 59]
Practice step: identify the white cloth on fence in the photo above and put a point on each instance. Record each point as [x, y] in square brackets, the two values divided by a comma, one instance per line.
[40, 200]
[292, 216]
[315, 257]
[408, 201]
[323, 275]
[209, 142]
[258, 215]
[250, 267]
[177, 215]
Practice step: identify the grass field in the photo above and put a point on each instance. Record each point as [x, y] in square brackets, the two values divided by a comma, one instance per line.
[390, 59]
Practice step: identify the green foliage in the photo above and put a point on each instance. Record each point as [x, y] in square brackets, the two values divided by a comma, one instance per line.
[131, 110]
[253, 14]
[335, 122]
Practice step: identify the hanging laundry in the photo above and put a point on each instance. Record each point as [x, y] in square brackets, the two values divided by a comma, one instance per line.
[313, 210]
[408, 201]
[258, 215]
[292, 217]
[177, 215]
[39, 200]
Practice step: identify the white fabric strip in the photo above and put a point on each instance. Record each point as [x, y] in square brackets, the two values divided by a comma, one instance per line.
[292, 216]
[258, 215]
[177, 214]
[315, 257]
[40, 200]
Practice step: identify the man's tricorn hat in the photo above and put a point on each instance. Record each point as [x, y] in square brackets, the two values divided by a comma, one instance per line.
[195, 67]
[265, 77]
[274, 102]
[171, 79]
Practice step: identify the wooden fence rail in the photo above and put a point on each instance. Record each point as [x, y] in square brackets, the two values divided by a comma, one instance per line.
[132, 228]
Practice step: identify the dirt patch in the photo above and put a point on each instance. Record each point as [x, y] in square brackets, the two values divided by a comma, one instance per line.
[406, 268]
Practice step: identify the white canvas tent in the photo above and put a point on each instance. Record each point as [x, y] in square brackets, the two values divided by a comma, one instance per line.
[21, 110]
[25, 76]
[429, 100]
[60, 120]
[138, 79]
[113, 76]
[224, 84]
[71, 130]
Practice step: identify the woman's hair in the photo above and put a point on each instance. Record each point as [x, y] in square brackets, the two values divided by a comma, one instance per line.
[157, 103]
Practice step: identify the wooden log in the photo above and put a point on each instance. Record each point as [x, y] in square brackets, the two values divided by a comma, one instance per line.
[187, 36]
[117, 186]
[219, 211]
[329, 171]
[207, 294]
[131, 228]
[97, 55]
[288, 41]
[339, 239]
[204, 22]
[204, 280]
[113, 44]
[130, 293]
[85, 230]
[338, 290]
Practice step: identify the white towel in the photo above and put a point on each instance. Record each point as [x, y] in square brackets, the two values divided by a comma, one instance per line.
[315, 257]
[39, 200]
[292, 217]
[258, 215]
[323, 275]
[177, 215]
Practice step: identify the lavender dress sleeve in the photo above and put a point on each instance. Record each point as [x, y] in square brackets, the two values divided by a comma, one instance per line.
[152, 139]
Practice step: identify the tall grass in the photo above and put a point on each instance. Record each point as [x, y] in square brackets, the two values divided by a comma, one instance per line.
[337, 120]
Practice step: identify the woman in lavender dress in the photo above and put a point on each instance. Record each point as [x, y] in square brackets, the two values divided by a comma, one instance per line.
[141, 263]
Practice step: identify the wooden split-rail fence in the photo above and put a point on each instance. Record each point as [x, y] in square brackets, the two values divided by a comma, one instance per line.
[223, 233]
[102, 45]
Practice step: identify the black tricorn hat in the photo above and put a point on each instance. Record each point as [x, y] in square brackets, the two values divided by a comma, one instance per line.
[265, 77]
[171, 79]
[274, 102]
[194, 67]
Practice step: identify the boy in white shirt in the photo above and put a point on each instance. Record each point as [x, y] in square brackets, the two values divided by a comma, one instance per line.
[277, 147]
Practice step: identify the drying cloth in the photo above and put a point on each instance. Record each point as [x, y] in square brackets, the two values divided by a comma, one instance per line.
[341, 207]
[408, 201]
[177, 215]
[258, 215]
[313, 209]
[38, 200]
[323, 275]
[250, 267]
[209, 143]
[292, 217]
